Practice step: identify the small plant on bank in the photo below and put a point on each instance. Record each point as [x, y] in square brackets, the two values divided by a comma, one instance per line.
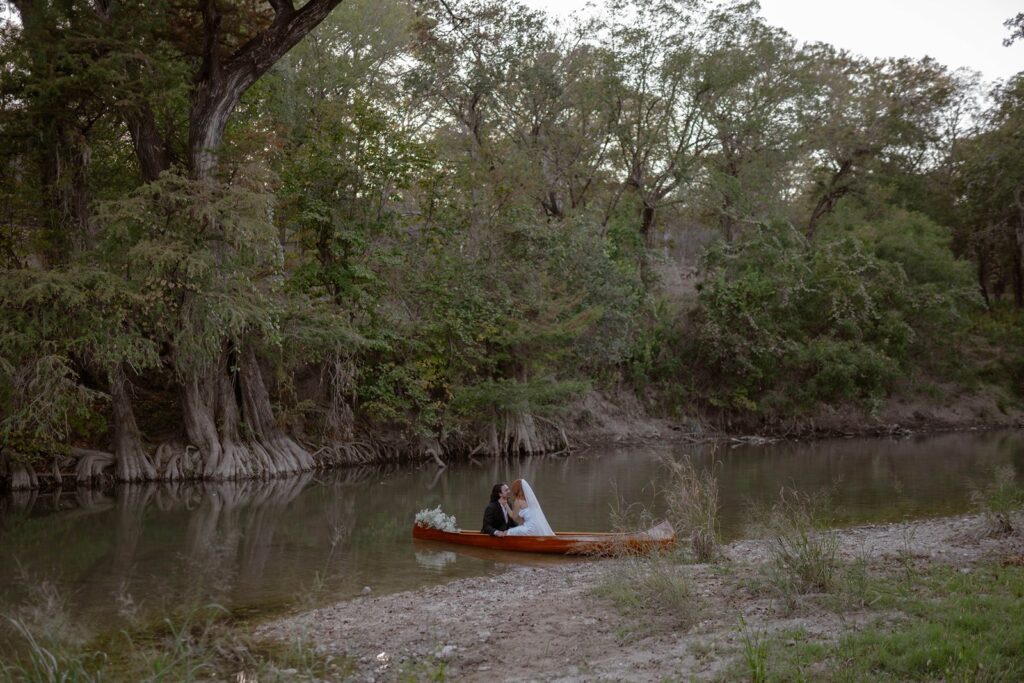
[803, 553]
[1000, 501]
[652, 590]
[692, 498]
[201, 643]
[755, 652]
[46, 658]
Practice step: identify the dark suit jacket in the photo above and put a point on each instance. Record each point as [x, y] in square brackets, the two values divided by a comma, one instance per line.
[494, 520]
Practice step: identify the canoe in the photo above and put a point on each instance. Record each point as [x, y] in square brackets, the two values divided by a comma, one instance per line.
[659, 537]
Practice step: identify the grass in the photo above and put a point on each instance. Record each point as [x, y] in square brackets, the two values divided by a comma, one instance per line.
[653, 592]
[428, 669]
[693, 506]
[803, 553]
[204, 643]
[950, 626]
[999, 500]
[755, 652]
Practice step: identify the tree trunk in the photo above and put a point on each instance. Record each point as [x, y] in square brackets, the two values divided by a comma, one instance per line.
[220, 84]
[21, 477]
[647, 225]
[983, 276]
[133, 464]
[1018, 256]
[150, 147]
[229, 419]
[834, 191]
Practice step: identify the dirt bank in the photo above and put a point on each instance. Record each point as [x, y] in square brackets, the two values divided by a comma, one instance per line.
[547, 623]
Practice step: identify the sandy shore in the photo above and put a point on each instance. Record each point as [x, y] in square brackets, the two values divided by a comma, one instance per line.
[546, 623]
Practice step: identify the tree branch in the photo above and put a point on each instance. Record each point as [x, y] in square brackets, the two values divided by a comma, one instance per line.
[210, 69]
[289, 27]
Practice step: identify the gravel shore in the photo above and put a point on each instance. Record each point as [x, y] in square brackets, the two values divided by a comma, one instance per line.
[547, 623]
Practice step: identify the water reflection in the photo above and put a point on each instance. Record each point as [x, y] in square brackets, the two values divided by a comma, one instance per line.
[435, 560]
[314, 538]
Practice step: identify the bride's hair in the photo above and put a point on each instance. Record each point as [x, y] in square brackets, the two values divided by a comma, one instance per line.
[517, 489]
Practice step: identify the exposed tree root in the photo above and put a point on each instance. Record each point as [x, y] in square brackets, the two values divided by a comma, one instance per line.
[229, 419]
[23, 478]
[522, 433]
[132, 463]
[20, 476]
[92, 465]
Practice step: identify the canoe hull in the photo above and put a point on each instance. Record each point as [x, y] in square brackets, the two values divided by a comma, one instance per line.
[658, 538]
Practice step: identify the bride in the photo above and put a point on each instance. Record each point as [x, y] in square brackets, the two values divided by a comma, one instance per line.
[526, 510]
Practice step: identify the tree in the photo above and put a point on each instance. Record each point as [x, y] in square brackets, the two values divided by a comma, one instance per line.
[992, 190]
[661, 135]
[862, 113]
[753, 113]
[226, 409]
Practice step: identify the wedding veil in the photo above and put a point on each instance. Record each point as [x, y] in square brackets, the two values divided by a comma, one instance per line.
[536, 513]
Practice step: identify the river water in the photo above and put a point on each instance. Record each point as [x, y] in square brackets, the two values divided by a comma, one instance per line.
[261, 547]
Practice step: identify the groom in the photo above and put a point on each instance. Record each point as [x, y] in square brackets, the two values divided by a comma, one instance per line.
[497, 516]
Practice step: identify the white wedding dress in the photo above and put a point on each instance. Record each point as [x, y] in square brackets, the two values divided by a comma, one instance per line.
[534, 521]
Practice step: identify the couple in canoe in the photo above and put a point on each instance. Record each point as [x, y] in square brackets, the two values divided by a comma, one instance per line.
[515, 511]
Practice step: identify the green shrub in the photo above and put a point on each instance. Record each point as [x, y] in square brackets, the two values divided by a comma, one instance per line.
[784, 324]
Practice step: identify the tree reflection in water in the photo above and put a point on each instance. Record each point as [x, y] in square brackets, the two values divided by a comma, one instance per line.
[142, 550]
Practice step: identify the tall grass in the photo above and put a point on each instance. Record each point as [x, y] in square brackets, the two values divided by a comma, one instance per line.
[48, 660]
[198, 644]
[803, 554]
[755, 652]
[693, 507]
[1000, 501]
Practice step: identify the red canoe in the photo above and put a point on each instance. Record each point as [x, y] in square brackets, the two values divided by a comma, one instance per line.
[564, 543]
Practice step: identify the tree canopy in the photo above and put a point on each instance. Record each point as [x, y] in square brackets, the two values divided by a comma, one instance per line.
[237, 234]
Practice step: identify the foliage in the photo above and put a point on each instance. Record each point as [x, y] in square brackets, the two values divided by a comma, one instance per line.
[784, 323]
[58, 329]
[449, 214]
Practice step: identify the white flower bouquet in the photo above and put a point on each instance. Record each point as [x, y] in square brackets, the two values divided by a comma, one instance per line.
[436, 519]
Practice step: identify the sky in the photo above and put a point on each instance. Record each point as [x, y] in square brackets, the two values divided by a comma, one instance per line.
[957, 33]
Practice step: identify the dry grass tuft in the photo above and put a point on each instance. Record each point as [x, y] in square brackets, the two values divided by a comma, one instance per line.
[692, 499]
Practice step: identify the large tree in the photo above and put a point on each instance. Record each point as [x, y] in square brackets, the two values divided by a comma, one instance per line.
[212, 52]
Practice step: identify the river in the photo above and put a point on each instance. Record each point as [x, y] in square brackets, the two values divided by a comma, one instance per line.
[263, 547]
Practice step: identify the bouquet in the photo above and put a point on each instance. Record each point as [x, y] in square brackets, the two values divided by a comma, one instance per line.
[436, 519]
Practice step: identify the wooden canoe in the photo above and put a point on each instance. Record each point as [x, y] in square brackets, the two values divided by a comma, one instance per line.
[659, 537]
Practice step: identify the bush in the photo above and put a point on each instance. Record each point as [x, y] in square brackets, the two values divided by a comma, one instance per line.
[784, 324]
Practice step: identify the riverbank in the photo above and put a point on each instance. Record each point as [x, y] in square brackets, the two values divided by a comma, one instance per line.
[597, 418]
[576, 622]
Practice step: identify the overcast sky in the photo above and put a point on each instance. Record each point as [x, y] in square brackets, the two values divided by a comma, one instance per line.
[955, 32]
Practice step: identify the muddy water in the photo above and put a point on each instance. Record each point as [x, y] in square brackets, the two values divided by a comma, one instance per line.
[267, 546]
